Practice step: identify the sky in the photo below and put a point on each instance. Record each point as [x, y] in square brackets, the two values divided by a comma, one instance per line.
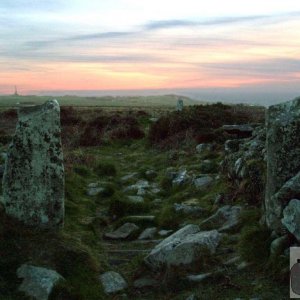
[159, 44]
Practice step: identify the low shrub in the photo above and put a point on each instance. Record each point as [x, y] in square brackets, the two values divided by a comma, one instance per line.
[120, 207]
[168, 218]
[105, 169]
[254, 244]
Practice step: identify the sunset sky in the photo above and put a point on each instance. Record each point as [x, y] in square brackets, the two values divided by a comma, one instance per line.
[141, 44]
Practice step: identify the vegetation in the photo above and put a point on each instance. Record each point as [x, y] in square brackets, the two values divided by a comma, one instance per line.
[116, 148]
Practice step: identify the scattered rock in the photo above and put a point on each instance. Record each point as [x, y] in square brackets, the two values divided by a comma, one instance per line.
[203, 182]
[291, 218]
[145, 282]
[198, 278]
[136, 199]
[183, 248]
[126, 231]
[153, 119]
[201, 148]
[37, 282]
[150, 174]
[113, 282]
[181, 178]
[219, 199]
[180, 234]
[207, 166]
[33, 181]
[140, 185]
[190, 210]
[231, 146]
[243, 265]
[164, 232]
[192, 297]
[94, 189]
[148, 233]
[128, 177]
[278, 245]
[232, 261]
[226, 218]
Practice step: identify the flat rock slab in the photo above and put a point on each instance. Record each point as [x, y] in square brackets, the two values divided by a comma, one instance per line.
[33, 181]
[145, 282]
[148, 233]
[203, 182]
[126, 231]
[38, 282]
[113, 282]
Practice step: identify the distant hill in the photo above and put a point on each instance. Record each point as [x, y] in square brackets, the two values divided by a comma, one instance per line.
[104, 101]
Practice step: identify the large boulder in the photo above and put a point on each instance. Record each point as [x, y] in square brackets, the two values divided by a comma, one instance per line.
[37, 282]
[283, 156]
[33, 181]
[291, 218]
[183, 248]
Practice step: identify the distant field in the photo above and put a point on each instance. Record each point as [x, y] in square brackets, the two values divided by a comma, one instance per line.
[106, 101]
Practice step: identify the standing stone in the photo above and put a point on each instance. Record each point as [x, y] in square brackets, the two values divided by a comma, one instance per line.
[283, 156]
[33, 181]
[179, 105]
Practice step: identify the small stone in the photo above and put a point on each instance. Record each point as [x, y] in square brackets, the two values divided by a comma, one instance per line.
[232, 261]
[278, 245]
[136, 199]
[164, 232]
[198, 278]
[150, 174]
[126, 231]
[38, 282]
[202, 182]
[128, 177]
[192, 297]
[113, 282]
[94, 189]
[181, 178]
[148, 233]
[145, 282]
[243, 265]
[231, 146]
[201, 148]
[188, 209]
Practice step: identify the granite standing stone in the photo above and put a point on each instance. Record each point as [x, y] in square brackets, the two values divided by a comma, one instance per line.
[33, 181]
[283, 156]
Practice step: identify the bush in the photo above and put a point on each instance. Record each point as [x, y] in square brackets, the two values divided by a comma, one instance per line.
[105, 169]
[168, 218]
[121, 207]
[82, 171]
[201, 122]
[254, 244]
